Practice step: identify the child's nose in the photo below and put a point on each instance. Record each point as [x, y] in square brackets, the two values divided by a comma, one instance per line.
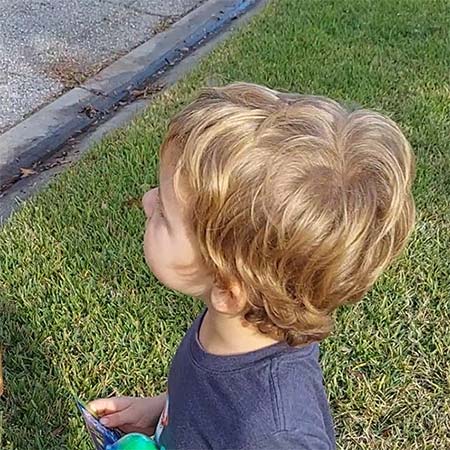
[149, 201]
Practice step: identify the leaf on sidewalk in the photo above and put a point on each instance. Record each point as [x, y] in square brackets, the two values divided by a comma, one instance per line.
[24, 172]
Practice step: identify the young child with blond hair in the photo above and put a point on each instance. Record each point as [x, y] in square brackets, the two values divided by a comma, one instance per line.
[274, 209]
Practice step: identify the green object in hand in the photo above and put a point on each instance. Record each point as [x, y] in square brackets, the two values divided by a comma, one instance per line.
[134, 441]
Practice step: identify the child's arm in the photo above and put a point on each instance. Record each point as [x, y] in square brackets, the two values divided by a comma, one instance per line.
[130, 414]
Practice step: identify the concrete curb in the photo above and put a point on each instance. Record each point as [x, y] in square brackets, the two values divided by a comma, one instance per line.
[43, 133]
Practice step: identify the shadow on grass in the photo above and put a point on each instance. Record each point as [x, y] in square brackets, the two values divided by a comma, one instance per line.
[34, 405]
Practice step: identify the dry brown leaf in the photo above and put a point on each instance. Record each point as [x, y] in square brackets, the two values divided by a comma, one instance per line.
[24, 172]
[90, 111]
[148, 91]
[134, 202]
[58, 431]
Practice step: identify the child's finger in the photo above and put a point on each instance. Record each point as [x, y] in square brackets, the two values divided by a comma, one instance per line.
[103, 406]
[114, 420]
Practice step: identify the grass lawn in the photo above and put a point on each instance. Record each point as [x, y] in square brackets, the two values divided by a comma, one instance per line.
[80, 312]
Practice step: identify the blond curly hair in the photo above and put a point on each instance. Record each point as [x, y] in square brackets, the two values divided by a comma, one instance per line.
[302, 201]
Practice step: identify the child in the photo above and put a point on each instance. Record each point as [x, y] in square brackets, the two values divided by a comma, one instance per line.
[274, 209]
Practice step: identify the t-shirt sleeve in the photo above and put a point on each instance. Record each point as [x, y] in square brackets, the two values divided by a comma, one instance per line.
[292, 440]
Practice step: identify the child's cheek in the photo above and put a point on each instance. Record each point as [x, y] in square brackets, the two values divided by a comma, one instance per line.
[149, 249]
[155, 252]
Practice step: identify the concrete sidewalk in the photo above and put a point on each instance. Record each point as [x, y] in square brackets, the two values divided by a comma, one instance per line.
[30, 142]
[43, 144]
[50, 46]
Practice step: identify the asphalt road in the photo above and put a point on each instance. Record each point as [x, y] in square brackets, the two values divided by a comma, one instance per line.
[49, 46]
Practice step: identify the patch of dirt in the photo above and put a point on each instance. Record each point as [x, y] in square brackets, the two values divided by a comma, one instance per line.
[165, 23]
[71, 73]
[68, 72]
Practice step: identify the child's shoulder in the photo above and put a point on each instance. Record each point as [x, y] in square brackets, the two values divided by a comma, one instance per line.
[295, 401]
[297, 377]
[299, 399]
[304, 359]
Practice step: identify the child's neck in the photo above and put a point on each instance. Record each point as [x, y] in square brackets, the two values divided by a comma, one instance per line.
[221, 334]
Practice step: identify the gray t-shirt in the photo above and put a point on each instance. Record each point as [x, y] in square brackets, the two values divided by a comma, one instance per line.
[271, 398]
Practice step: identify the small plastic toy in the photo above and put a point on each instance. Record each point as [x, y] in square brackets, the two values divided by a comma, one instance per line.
[104, 438]
[134, 441]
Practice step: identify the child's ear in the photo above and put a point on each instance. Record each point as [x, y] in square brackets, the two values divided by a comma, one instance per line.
[229, 300]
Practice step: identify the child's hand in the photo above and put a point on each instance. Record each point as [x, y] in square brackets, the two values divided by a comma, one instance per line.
[130, 414]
